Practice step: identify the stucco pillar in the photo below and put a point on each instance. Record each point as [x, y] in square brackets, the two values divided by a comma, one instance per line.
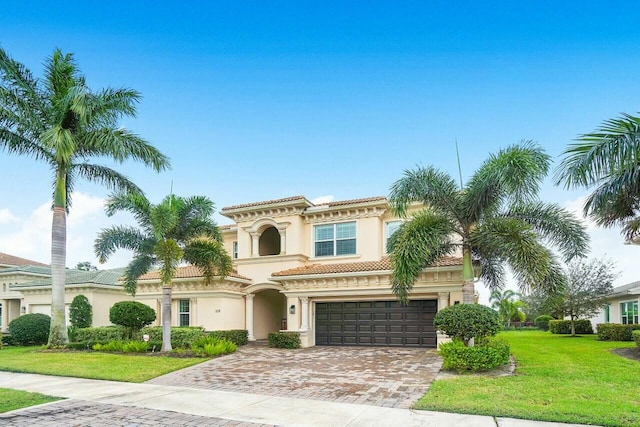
[248, 315]
[443, 300]
[5, 314]
[255, 244]
[304, 311]
[283, 241]
[293, 319]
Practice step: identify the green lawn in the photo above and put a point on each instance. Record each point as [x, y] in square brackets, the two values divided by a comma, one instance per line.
[16, 399]
[102, 366]
[572, 380]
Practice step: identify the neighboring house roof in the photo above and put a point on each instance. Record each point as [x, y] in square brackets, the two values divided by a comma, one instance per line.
[79, 277]
[6, 259]
[354, 201]
[632, 288]
[353, 267]
[187, 271]
[27, 269]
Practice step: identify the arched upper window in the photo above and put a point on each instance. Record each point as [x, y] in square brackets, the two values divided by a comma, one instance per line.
[269, 242]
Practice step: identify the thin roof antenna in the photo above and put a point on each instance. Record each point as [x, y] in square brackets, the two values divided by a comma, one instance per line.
[459, 167]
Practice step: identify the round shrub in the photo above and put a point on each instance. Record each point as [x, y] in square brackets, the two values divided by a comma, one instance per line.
[30, 329]
[542, 322]
[132, 315]
[466, 321]
[80, 312]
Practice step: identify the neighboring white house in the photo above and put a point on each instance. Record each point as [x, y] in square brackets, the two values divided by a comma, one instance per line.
[622, 307]
[321, 270]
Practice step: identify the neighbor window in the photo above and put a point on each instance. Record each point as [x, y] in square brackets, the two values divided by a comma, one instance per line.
[607, 314]
[184, 312]
[629, 312]
[390, 228]
[235, 250]
[335, 239]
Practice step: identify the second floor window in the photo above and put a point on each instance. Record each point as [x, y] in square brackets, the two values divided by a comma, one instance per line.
[335, 239]
[235, 250]
[390, 228]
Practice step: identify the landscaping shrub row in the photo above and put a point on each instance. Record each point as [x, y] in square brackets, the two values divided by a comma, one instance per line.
[636, 337]
[89, 345]
[542, 322]
[616, 331]
[284, 340]
[181, 337]
[488, 353]
[236, 336]
[583, 326]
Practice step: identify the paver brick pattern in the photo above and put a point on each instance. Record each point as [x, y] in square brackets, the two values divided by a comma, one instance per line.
[381, 376]
[81, 413]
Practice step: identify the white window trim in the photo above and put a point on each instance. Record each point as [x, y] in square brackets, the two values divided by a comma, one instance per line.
[626, 302]
[386, 233]
[180, 313]
[313, 241]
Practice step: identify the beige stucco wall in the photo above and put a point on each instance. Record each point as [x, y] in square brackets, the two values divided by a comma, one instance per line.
[269, 308]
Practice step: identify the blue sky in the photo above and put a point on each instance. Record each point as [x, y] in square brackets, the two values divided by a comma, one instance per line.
[260, 100]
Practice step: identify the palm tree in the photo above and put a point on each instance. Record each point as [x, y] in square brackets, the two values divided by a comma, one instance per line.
[177, 229]
[609, 160]
[496, 220]
[61, 121]
[507, 306]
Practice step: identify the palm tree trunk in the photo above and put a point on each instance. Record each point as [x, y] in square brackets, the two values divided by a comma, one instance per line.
[468, 288]
[58, 332]
[166, 318]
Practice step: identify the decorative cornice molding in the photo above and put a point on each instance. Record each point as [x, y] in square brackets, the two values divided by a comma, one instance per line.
[341, 214]
[263, 212]
[265, 259]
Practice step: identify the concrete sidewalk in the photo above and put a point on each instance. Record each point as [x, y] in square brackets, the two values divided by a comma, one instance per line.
[243, 407]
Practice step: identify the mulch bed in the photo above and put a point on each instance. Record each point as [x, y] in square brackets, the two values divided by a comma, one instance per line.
[629, 353]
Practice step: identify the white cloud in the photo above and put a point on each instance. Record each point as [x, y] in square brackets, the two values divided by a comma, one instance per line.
[6, 216]
[323, 199]
[576, 207]
[31, 237]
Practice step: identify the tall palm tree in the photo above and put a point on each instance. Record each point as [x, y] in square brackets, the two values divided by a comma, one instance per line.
[61, 121]
[495, 220]
[177, 229]
[609, 160]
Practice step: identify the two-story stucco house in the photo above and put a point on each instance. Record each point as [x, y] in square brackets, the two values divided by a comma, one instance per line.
[319, 269]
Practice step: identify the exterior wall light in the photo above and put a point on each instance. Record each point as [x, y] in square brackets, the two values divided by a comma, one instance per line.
[292, 309]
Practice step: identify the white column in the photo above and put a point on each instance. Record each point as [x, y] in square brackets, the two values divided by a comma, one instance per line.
[283, 241]
[305, 313]
[5, 314]
[255, 244]
[248, 315]
[443, 300]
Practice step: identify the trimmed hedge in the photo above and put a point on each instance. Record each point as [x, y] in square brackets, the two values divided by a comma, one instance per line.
[284, 340]
[30, 328]
[616, 331]
[236, 336]
[99, 334]
[583, 326]
[636, 337]
[542, 322]
[181, 337]
[488, 354]
[88, 345]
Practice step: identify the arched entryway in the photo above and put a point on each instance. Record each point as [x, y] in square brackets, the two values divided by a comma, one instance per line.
[266, 310]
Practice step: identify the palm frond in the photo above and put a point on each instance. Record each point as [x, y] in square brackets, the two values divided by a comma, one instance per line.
[169, 253]
[429, 186]
[106, 176]
[118, 237]
[555, 225]
[491, 270]
[209, 256]
[139, 266]
[135, 203]
[418, 243]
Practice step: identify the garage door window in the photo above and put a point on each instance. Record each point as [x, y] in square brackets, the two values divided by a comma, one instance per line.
[335, 239]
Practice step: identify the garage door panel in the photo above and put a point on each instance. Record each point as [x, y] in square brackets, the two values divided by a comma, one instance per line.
[380, 323]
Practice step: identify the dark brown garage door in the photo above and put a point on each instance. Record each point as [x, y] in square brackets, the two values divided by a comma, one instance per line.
[384, 323]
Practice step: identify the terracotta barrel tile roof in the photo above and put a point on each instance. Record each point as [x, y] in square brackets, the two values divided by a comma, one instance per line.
[267, 202]
[186, 271]
[354, 201]
[354, 267]
[7, 259]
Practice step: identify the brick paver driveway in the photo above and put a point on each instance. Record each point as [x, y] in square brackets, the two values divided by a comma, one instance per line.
[382, 376]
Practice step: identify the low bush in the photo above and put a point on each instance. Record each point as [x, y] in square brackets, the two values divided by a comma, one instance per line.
[236, 336]
[104, 333]
[210, 346]
[636, 337]
[7, 340]
[284, 340]
[466, 321]
[616, 331]
[109, 346]
[542, 322]
[30, 329]
[487, 354]
[583, 326]
[181, 337]
[122, 346]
